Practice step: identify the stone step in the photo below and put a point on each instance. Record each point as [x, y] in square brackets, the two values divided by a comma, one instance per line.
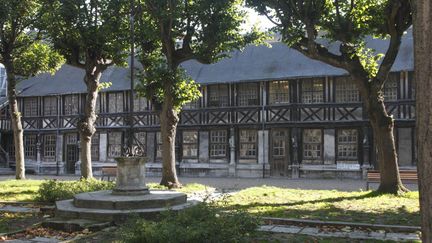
[72, 225]
[105, 200]
[66, 209]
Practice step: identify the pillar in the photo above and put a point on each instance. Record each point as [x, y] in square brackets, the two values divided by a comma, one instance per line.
[232, 169]
[203, 147]
[103, 146]
[329, 147]
[263, 146]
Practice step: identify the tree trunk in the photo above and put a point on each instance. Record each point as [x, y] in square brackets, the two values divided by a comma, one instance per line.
[423, 77]
[15, 119]
[168, 120]
[86, 125]
[382, 126]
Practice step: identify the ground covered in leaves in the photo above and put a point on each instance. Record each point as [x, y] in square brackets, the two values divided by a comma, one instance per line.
[328, 205]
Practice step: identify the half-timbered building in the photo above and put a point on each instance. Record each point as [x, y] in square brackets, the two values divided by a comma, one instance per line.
[263, 112]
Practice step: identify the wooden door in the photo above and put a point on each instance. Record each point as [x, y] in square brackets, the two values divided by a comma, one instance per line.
[71, 152]
[279, 152]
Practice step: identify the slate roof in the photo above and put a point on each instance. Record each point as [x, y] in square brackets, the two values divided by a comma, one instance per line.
[253, 64]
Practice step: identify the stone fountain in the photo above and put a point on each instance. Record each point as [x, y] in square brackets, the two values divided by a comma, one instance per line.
[130, 196]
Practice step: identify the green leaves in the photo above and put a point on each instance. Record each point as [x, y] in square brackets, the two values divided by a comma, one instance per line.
[38, 58]
[158, 80]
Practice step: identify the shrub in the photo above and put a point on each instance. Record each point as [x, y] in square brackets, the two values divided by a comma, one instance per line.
[200, 223]
[53, 190]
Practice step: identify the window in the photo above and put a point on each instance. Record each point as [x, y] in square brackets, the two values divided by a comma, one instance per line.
[391, 87]
[347, 144]
[346, 90]
[114, 144]
[411, 84]
[248, 94]
[30, 106]
[30, 146]
[158, 145]
[279, 92]
[115, 102]
[50, 106]
[49, 147]
[218, 143]
[218, 95]
[248, 143]
[312, 144]
[2, 81]
[279, 143]
[193, 104]
[71, 103]
[95, 147]
[10, 146]
[140, 103]
[140, 142]
[190, 144]
[313, 91]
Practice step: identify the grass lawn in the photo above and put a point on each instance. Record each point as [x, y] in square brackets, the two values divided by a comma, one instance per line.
[26, 190]
[366, 207]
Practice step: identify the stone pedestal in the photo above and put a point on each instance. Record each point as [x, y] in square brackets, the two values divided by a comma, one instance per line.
[130, 176]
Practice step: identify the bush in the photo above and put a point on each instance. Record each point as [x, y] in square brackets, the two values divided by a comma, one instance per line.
[200, 223]
[53, 190]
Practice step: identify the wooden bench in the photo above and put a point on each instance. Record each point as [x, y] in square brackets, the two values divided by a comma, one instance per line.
[109, 171]
[407, 177]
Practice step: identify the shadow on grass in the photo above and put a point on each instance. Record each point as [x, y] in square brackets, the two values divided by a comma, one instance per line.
[398, 216]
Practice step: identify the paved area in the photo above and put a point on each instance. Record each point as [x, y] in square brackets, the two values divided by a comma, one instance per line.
[231, 184]
[342, 233]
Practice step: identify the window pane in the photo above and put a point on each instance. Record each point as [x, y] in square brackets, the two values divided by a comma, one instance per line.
[347, 144]
[279, 92]
[71, 104]
[312, 144]
[190, 143]
[115, 102]
[218, 95]
[248, 145]
[390, 87]
[248, 94]
[346, 90]
[140, 103]
[312, 91]
[218, 143]
[30, 146]
[50, 106]
[114, 144]
[49, 147]
[95, 147]
[30, 106]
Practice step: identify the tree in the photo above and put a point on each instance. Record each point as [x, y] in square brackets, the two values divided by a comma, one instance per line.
[423, 78]
[303, 23]
[171, 32]
[92, 35]
[23, 54]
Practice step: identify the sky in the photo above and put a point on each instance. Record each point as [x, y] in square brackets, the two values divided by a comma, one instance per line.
[255, 19]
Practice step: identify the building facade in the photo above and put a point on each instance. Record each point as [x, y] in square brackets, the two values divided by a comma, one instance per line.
[263, 112]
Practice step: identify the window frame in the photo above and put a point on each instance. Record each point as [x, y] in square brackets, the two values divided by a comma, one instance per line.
[219, 143]
[192, 144]
[95, 142]
[74, 107]
[309, 159]
[394, 81]
[142, 143]
[117, 145]
[354, 143]
[218, 102]
[50, 109]
[245, 94]
[119, 108]
[254, 143]
[49, 147]
[314, 93]
[345, 95]
[30, 149]
[272, 100]
[31, 106]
